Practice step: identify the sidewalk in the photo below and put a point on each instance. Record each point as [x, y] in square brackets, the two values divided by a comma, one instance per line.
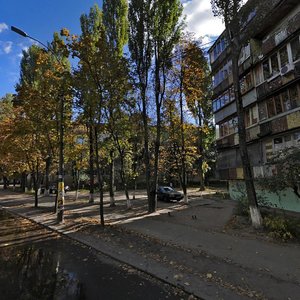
[186, 246]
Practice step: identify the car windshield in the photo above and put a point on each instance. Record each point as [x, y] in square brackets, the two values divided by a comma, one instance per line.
[167, 189]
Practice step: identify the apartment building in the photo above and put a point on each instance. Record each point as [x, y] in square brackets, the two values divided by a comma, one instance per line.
[269, 70]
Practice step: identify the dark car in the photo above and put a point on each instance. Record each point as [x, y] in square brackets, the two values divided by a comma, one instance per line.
[53, 189]
[166, 193]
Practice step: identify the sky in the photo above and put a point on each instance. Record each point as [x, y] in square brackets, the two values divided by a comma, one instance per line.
[41, 18]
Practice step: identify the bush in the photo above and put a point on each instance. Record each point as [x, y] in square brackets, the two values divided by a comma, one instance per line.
[280, 227]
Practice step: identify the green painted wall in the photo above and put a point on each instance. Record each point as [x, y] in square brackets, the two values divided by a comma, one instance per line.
[286, 199]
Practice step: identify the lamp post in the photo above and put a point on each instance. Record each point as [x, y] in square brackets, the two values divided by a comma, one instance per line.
[61, 187]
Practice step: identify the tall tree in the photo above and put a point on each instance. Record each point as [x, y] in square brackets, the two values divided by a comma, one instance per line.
[141, 49]
[155, 28]
[115, 20]
[101, 78]
[115, 14]
[234, 14]
[166, 32]
[43, 80]
[197, 91]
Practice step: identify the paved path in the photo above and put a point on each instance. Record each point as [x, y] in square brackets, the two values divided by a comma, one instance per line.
[182, 245]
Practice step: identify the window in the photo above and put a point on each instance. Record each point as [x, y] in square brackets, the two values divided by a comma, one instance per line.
[258, 75]
[222, 100]
[274, 64]
[247, 118]
[266, 69]
[215, 105]
[271, 66]
[246, 83]
[286, 100]
[262, 111]
[295, 47]
[278, 144]
[231, 94]
[229, 127]
[245, 53]
[226, 128]
[218, 49]
[254, 114]
[226, 98]
[284, 58]
[286, 141]
[251, 116]
[271, 108]
[296, 137]
[283, 102]
[294, 97]
[278, 105]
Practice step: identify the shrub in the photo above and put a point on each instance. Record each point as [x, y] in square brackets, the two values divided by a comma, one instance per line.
[280, 227]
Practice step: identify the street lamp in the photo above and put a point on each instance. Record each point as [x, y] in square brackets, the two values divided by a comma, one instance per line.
[61, 185]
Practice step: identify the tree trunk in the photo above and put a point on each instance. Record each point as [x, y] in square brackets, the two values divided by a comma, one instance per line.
[112, 179]
[135, 188]
[5, 183]
[47, 174]
[91, 162]
[183, 154]
[200, 149]
[124, 181]
[146, 145]
[250, 189]
[100, 178]
[35, 186]
[23, 181]
[77, 183]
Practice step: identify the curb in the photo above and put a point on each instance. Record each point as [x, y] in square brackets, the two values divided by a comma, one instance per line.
[107, 254]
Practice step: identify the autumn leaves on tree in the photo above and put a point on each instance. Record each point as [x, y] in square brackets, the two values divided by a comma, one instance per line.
[145, 108]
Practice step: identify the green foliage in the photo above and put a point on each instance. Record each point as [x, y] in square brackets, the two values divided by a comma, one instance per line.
[280, 227]
[287, 174]
[6, 106]
[115, 19]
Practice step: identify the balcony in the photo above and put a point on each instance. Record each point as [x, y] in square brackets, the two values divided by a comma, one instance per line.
[293, 120]
[279, 125]
[288, 28]
[252, 133]
[268, 87]
[225, 142]
[221, 87]
[265, 129]
[220, 59]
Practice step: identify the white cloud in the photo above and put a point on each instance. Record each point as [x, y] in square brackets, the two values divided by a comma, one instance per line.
[20, 55]
[5, 47]
[3, 27]
[200, 19]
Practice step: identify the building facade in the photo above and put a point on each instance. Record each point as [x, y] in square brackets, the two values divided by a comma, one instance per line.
[269, 71]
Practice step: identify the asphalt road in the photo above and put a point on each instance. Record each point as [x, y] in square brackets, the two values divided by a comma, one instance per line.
[36, 263]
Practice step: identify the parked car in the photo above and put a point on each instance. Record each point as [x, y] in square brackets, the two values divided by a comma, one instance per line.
[53, 189]
[166, 193]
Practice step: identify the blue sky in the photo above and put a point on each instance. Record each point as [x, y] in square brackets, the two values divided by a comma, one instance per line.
[41, 18]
